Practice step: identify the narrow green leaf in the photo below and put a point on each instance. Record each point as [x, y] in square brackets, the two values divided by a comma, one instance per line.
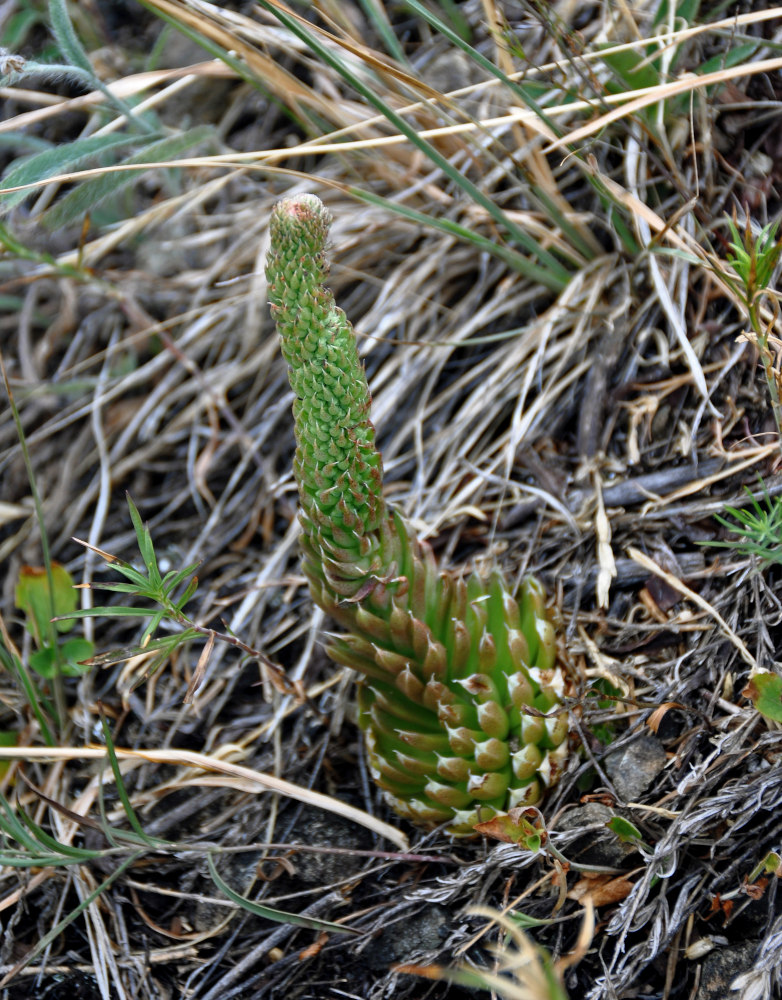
[632, 70]
[735, 57]
[74, 854]
[130, 812]
[145, 546]
[34, 699]
[66, 36]
[239, 66]
[57, 930]
[153, 625]
[118, 588]
[139, 580]
[554, 274]
[14, 828]
[165, 646]
[12, 860]
[378, 16]
[19, 140]
[477, 57]
[117, 611]
[188, 592]
[19, 25]
[515, 260]
[280, 916]
[45, 548]
[174, 577]
[71, 48]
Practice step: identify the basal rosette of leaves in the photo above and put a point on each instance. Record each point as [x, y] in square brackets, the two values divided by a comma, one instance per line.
[461, 695]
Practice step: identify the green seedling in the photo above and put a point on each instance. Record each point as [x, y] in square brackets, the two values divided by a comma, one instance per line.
[770, 865]
[461, 695]
[758, 530]
[753, 259]
[764, 690]
[168, 593]
[42, 596]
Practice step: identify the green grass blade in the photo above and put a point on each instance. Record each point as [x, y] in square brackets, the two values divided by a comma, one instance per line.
[144, 541]
[14, 665]
[556, 274]
[515, 260]
[377, 15]
[113, 611]
[480, 60]
[55, 932]
[45, 549]
[279, 916]
[130, 812]
[74, 854]
[13, 827]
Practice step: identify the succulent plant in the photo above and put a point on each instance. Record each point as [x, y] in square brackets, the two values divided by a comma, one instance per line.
[460, 699]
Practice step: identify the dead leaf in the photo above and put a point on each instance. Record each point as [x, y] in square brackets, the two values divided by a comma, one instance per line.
[601, 891]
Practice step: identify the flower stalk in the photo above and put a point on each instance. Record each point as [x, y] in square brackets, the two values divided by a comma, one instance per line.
[461, 691]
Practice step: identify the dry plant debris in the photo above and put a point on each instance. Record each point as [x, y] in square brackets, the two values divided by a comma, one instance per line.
[529, 206]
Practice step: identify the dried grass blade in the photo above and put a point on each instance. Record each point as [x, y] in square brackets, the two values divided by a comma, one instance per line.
[673, 581]
[189, 758]
[685, 85]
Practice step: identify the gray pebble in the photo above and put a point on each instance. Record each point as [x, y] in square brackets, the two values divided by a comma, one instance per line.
[721, 967]
[633, 768]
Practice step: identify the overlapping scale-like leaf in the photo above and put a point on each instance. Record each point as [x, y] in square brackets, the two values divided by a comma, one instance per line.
[461, 694]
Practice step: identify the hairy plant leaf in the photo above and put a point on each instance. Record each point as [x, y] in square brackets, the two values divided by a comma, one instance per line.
[91, 192]
[59, 160]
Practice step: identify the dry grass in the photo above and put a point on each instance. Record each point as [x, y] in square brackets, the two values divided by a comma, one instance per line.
[578, 408]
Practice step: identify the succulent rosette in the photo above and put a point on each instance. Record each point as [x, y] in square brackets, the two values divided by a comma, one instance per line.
[460, 699]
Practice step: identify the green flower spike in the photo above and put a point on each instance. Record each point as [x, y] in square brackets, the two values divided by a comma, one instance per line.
[460, 699]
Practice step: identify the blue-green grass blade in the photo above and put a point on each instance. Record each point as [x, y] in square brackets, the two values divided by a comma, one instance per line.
[130, 812]
[279, 916]
[515, 260]
[554, 274]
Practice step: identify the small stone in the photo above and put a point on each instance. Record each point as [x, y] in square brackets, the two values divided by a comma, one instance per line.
[633, 768]
[721, 967]
[406, 940]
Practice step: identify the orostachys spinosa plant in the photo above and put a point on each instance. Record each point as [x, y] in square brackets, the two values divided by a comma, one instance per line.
[460, 700]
